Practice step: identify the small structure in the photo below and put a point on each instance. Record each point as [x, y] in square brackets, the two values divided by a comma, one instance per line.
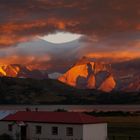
[39, 125]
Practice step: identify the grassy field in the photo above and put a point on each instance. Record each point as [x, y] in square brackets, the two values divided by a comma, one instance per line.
[123, 128]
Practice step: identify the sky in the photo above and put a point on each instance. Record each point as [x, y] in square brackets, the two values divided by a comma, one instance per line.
[109, 29]
[61, 37]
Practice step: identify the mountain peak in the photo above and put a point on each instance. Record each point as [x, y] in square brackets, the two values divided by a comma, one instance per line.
[86, 73]
[85, 60]
[17, 70]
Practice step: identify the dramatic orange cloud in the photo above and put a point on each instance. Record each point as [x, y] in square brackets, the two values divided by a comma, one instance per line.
[111, 30]
[15, 33]
[114, 56]
[33, 62]
[27, 19]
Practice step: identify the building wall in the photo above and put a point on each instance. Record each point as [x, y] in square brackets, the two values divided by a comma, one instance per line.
[4, 129]
[80, 132]
[95, 131]
[47, 131]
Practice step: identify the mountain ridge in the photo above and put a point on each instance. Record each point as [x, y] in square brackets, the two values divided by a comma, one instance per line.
[84, 74]
[20, 71]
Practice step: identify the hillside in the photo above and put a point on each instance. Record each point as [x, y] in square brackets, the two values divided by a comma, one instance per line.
[31, 91]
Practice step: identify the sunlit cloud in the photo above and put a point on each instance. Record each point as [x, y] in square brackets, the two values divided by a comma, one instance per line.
[61, 37]
[109, 29]
[89, 17]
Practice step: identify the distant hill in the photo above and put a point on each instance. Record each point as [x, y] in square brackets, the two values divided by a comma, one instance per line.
[128, 75]
[47, 91]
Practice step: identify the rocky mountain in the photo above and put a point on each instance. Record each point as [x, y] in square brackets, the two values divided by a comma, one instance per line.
[16, 70]
[87, 73]
[129, 83]
[127, 75]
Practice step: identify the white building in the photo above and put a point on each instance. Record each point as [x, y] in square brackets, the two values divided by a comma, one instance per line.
[32, 125]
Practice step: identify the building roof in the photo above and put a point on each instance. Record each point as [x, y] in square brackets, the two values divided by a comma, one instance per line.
[4, 113]
[53, 117]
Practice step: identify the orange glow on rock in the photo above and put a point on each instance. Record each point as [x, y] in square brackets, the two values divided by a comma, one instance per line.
[71, 76]
[87, 74]
[108, 84]
[9, 70]
[91, 83]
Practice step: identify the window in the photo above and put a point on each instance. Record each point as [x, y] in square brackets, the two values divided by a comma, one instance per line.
[10, 127]
[54, 130]
[38, 129]
[69, 131]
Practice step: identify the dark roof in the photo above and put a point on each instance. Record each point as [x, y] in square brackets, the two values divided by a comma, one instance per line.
[53, 117]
